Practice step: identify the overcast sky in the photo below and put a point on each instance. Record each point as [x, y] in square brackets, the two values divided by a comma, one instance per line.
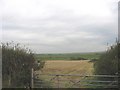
[60, 26]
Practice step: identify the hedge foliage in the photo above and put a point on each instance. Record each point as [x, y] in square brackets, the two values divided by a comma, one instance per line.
[17, 63]
[108, 63]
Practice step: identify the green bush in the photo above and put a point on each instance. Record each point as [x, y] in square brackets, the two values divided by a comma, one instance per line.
[17, 63]
[108, 62]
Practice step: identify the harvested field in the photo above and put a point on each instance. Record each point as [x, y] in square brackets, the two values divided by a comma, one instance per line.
[68, 67]
[82, 67]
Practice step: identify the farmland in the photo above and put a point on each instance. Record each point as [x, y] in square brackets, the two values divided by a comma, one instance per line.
[69, 56]
[68, 63]
[68, 67]
[83, 67]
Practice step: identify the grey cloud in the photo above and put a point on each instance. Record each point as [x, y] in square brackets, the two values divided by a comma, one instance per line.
[62, 31]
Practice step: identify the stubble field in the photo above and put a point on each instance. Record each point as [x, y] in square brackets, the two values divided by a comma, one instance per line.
[68, 67]
[82, 67]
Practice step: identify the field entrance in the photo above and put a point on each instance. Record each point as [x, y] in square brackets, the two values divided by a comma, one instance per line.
[55, 67]
[70, 74]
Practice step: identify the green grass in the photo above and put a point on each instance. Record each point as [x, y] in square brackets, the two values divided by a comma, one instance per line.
[69, 56]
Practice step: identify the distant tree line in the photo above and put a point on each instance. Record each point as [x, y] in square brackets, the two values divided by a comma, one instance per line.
[77, 58]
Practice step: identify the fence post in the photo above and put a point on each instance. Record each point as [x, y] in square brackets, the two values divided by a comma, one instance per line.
[32, 77]
[58, 81]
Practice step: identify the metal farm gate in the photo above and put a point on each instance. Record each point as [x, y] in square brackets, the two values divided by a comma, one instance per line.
[74, 81]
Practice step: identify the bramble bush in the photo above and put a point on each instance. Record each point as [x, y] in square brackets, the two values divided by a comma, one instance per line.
[17, 63]
[107, 64]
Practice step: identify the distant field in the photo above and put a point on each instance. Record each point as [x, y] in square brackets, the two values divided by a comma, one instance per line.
[83, 67]
[68, 56]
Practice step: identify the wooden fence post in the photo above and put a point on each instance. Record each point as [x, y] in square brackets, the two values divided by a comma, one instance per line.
[58, 81]
[32, 77]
